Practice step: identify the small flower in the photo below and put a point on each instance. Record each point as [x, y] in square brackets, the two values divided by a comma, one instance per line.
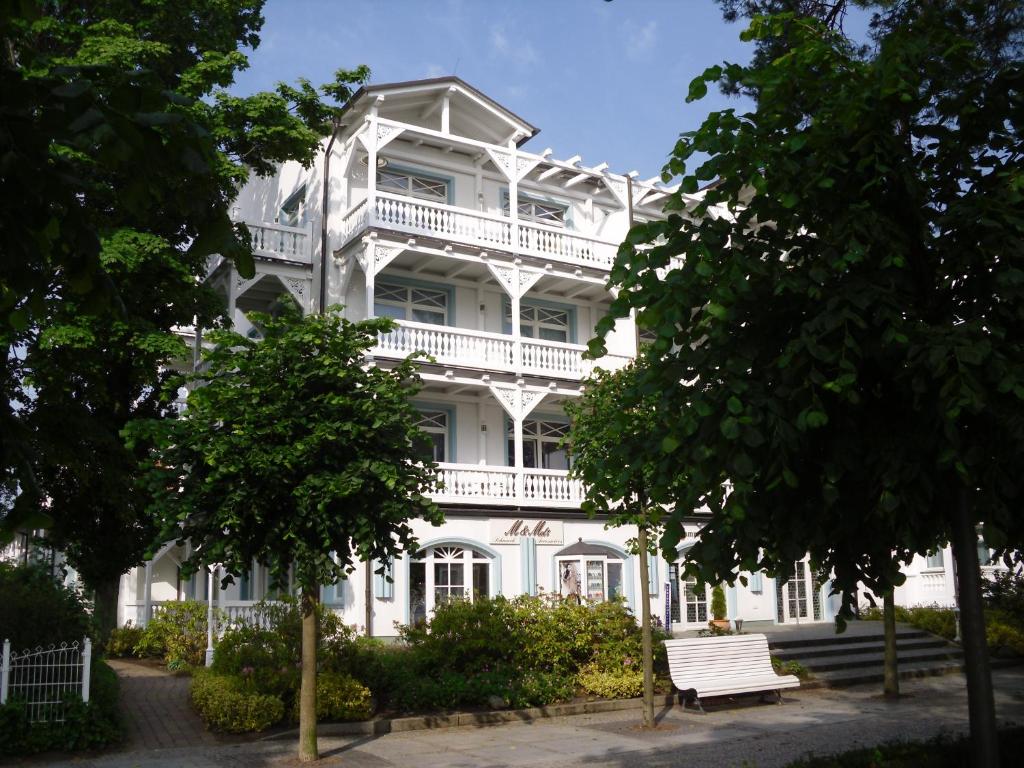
[627, 662]
[246, 671]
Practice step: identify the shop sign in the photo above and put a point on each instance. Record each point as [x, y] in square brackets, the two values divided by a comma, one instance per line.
[511, 531]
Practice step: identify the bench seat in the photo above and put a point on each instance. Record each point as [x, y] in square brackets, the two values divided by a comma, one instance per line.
[723, 666]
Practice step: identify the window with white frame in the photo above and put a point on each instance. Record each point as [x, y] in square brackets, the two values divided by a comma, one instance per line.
[542, 444]
[934, 561]
[446, 572]
[435, 424]
[541, 211]
[541, 322]
[412, 185]
[421, 304]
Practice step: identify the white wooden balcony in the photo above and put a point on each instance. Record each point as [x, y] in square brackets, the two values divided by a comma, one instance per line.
[461, 225]
[276, 241]
[492, 351]
[481, 484]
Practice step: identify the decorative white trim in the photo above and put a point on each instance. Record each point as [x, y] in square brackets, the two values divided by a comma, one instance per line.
[618, 189]
[517, 401]
[386, 134]
[526, 164]
[296, 287]
[503, 161]
[383, 255]
[242, 285]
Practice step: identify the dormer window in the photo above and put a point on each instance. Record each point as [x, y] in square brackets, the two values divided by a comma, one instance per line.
[293, 210]
[413, 185]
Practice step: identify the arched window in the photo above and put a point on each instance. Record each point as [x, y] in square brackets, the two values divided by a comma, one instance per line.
[445, 572]
[590, 571]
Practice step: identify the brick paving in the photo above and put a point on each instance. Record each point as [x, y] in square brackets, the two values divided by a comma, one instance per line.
[155, 707]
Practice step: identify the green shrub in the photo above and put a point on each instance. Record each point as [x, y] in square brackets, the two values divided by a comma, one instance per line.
[339, 698]
[224, 704]
[930, 618]
[790, 667]
[177, 633]
[1002, 636]
[718, 605]
[123, 640]
[624, 683]
[85, 726]
[38, 610]
[1004, 594]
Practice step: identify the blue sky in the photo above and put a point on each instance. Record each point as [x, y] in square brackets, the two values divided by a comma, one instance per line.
[606, 80]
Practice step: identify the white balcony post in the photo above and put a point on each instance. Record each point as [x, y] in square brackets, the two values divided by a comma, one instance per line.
[517, 330]
[517, 432]
[147, 598]
[371, 160]
[513, 196]
[371, 282]
[211, 575]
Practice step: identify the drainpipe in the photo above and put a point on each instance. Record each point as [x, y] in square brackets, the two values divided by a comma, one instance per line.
[335, 127]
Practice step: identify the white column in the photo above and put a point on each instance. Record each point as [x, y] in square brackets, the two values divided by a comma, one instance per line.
[517, 433]
[86, 668]
[371, 281]
[147, 598]
[371, 161]
[513, 193]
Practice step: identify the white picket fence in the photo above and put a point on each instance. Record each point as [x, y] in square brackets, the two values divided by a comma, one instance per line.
[43, 678]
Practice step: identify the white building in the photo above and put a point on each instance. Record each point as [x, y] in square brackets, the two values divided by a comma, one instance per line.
[438, 216]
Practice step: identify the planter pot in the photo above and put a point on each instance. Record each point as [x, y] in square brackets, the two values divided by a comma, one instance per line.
[719, 623]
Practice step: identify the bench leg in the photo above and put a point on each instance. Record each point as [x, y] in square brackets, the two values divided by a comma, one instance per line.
[778, 696]
[688, 696]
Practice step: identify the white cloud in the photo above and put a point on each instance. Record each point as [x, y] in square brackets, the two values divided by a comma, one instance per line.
[641, 41]
[518, 50]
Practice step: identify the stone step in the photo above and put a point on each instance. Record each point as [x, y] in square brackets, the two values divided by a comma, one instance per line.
[778, 641]
[863, 675]
[942, 654]
[869, 645]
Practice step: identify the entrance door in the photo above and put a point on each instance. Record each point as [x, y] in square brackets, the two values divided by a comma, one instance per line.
[695, 600]
[794, 598]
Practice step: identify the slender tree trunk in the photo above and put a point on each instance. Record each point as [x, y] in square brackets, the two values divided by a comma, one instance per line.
[980, 700]
[645, 628]
[892, 671]
[104, 609]
[308, 751]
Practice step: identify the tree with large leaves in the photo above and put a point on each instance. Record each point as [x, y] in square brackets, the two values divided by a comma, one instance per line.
[294, 452]
[122, 155]
[840, 350]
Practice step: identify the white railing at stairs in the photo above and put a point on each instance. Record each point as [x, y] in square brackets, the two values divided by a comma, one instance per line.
[277, 241]
[447, 222]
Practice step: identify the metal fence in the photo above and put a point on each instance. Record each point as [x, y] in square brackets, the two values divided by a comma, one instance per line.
[45, 679]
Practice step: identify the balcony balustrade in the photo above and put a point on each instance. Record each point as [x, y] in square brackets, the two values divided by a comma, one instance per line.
[492, 351]
[487, 231]
[479, 484]
[277, 241]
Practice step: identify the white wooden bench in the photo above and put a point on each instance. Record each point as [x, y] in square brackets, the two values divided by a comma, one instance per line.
[724, 665]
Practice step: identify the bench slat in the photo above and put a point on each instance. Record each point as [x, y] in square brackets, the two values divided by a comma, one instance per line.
[718, 666]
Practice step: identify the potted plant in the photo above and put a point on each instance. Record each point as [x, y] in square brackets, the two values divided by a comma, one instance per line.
[718, 609]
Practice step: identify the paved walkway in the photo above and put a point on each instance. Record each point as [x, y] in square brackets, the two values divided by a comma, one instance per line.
[155, 708]
[744, 733]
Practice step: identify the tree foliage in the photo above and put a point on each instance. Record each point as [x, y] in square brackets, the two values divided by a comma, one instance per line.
[122, 155]
[839, 353]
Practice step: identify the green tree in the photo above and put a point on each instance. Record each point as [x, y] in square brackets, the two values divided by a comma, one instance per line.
[125, 152]
[294, 452]
[610, 442]
[840, 354]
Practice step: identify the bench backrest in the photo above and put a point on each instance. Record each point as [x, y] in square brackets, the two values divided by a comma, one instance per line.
[709, 658]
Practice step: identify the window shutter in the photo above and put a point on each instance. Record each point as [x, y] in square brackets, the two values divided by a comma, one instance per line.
[756, 582]
[528, 565]
[652, 574]
[383, 583]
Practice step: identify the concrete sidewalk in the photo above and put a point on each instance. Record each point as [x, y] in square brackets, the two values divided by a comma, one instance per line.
[743, 733]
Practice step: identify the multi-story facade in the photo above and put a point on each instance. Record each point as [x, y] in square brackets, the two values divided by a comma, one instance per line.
[494, 260]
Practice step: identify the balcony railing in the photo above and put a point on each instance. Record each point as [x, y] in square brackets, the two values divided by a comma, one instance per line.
[277, 241]
[492, 351]
[447, 222]
[472, 483]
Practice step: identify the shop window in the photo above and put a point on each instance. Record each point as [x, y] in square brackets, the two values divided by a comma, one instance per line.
[590, 572]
